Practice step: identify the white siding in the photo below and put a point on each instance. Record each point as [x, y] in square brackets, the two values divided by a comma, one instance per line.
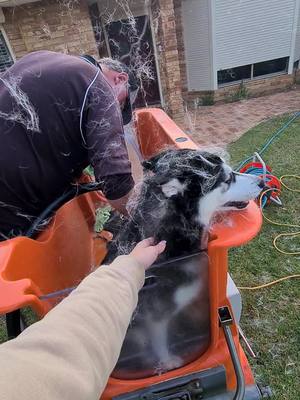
[250, 31]
[197, 43]
[297, 42]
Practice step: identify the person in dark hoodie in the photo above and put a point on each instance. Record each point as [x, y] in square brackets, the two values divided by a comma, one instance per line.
[59, 114]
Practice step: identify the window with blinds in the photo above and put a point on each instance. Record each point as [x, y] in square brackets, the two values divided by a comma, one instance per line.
[6, 59]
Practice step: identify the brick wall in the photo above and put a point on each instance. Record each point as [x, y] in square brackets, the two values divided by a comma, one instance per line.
[50, 25]
[166, 41]
[257, 87]
[180, 45]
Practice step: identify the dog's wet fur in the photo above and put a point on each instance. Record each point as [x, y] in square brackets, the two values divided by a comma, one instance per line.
[180, 193]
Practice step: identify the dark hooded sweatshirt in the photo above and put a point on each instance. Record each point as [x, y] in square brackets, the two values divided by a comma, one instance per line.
[58, 114]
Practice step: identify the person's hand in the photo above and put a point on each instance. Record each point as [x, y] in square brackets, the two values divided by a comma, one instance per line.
[145, 253]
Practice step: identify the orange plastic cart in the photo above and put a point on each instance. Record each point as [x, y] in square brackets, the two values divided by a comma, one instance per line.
[66, 251]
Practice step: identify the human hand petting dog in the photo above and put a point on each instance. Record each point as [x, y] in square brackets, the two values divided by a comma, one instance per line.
[146, 253]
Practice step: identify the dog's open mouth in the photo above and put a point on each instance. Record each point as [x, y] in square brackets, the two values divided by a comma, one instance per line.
[236, 204]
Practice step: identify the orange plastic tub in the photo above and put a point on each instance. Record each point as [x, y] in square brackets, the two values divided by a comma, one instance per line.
[61, 257]
[68, 249]
[243, 227]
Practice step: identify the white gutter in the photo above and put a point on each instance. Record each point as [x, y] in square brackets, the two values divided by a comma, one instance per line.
[212, 39]
[294, 34]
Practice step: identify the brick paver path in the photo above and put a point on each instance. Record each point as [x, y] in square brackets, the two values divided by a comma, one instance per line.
[224, 123]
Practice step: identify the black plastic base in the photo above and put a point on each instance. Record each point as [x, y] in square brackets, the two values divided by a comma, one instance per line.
[209, 385]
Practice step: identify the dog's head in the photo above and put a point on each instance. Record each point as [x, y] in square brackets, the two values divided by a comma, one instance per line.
[201, 182]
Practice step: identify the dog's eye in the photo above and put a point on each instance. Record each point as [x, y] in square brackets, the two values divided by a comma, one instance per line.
[229, 180]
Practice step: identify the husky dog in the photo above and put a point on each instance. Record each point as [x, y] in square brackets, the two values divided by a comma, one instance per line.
[178, 197]
[180, 193]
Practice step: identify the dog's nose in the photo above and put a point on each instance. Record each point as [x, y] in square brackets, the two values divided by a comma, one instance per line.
[261, 184]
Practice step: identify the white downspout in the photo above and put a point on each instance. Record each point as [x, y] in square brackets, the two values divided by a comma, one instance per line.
[293, 39]
[212, 39]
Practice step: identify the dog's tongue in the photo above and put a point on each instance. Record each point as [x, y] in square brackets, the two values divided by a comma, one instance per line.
[237, 204]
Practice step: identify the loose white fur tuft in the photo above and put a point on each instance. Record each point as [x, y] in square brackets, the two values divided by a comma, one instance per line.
[173, 187]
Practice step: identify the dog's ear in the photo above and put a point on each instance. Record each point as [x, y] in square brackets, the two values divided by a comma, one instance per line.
[150, 165]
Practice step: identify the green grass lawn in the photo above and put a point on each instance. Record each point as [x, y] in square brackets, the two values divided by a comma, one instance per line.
[2, 330]
[271, 316]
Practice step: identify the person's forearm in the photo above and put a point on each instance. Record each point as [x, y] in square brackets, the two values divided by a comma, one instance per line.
[72, 351]
[116, 186]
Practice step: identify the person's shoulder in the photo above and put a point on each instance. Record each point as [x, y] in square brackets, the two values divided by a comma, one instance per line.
[54, 61]
[42, 56]
[59, 70]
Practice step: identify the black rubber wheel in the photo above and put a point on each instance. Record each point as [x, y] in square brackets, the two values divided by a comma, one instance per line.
[266, 391]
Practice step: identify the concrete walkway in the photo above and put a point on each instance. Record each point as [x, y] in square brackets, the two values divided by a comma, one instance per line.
[222, 124]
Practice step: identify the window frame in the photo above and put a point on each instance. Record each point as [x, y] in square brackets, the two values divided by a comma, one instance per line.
[255, 78]
[273, 73]
[237, 80]
[5, 37]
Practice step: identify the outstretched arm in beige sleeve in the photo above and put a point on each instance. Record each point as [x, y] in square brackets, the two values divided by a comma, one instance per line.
[72, 351]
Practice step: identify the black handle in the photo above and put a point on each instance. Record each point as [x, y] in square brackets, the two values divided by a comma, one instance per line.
[226, 321]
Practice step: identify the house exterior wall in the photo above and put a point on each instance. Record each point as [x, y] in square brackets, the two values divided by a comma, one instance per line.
[297, 41]
[257, 87]
[178, 10]
[189, 49]
[260, 86]
[241, 33]
[198, 44]
[49, 25]
[166, 40]
[252, 31]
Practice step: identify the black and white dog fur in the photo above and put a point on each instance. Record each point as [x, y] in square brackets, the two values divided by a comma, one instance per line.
[178, 197]
[181, 192]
